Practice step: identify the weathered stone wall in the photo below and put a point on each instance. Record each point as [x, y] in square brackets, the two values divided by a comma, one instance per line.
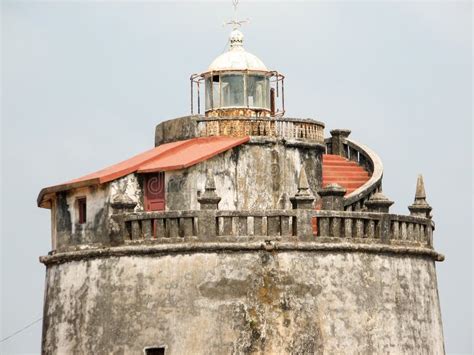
[244, 302]
[176, 129]
[256, 176]
[68, 232]
[300, 129]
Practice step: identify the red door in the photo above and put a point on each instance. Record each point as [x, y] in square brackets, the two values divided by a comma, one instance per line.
[155, 192]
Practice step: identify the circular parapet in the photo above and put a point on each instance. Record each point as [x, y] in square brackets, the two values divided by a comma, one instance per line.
[215, 230]
[190, 245]
[286, 128]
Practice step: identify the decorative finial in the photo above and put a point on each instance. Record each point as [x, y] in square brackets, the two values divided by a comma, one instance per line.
[236, 39]
[303, 185]
[420, 189]
[210, 182]
[420, 206]
[304, 198]
[235, 22]
[209, 200]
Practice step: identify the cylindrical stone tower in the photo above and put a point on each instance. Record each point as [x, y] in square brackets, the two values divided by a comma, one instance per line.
[242, 231]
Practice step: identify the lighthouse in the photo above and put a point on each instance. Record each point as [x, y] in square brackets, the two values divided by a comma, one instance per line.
[242, 231]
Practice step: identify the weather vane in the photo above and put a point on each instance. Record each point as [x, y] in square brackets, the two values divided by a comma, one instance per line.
[235, 22]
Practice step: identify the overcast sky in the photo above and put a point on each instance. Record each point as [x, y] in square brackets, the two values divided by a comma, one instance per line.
[84, 83]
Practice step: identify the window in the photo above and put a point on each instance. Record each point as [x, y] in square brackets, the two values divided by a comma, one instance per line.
[258, 91]
[208, 94]
[212, 92]
[82, 210]
[232, 90]
[155, 351]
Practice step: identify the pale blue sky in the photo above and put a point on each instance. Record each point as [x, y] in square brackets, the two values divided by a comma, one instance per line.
[84, 83]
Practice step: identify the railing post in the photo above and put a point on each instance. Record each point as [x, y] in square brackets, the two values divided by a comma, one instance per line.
[378, 202]
[420, 207]
[333, 197]
[337, 141]
[303, 201]
[209, 201]
[117, 229]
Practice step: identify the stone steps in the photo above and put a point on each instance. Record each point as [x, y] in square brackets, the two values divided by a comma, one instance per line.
[344, 172]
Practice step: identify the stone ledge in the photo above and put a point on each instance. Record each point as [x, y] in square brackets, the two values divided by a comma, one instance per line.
[215, 247]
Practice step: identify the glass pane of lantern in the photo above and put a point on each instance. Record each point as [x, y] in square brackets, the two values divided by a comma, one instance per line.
[216, 103]
[232, 90]
[258, 91]
[208, 94]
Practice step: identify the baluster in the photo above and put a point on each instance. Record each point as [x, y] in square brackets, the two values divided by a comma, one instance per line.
[359, 228]
[264, 226]
[186, 227]
[395, 230]
[172, 227]
[378, 229]
[243, 224]
[235, 226]
[127, 230]
[285, 226]
[416, 232]
[422, 234]
[251, 226]
[370, 229]
[160, 230]
[273, 226]
[227, 230]
[196, 225]
[348, 227]
[323, 227]
[353, 154]
[136, 232]
[429, 235]
[220, 226]
[336, 227]
[258, 226]
[404, 231]
[146, 225]
[410, 231]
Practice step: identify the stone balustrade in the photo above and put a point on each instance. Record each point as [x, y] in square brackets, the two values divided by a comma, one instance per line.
[237, 226]
[378, 227]
[286, 128]
[207, 225]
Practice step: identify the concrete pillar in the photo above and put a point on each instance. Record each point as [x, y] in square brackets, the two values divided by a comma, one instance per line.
[333, 197]
[303, 201]
[117, 231]
[378, 203]
[338, 137]
[122, 204]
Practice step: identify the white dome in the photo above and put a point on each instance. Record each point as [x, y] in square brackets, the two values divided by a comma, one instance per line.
[237, 58]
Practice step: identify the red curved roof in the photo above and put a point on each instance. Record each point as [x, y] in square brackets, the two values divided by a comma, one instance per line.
[165, 157]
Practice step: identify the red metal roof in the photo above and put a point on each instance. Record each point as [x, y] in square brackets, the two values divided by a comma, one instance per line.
[165, 157]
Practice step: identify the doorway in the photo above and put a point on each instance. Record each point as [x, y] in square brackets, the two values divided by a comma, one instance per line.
[154, 192]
